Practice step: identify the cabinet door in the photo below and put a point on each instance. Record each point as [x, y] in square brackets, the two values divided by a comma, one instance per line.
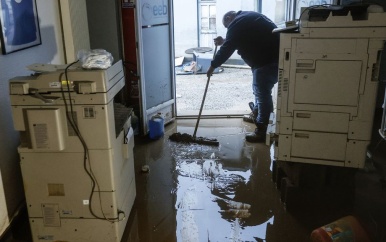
[330, 83]
[315, 145]
[321, 121]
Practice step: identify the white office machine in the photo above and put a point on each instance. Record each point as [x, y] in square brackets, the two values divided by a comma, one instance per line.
[76, 153]
[328, 80]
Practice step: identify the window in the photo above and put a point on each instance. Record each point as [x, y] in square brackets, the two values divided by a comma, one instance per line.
[208, 17]
[306, 3]
[207, 23]
[275, 10]
[283, 10]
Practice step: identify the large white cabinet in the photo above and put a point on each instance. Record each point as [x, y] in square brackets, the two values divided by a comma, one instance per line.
[76, 153]
[328, 80]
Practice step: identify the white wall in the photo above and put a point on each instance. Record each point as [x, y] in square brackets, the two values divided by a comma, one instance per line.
[11, 65]
[75, 27]
[185, 22]
[105, 29]
[185, 26]
[222, 8]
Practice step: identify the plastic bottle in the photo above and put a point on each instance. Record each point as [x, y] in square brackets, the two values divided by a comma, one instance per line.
[156, 126]
[345, 229]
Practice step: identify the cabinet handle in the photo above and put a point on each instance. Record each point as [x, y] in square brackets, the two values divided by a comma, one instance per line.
[303, 136]
[303, 115]
[287, 55]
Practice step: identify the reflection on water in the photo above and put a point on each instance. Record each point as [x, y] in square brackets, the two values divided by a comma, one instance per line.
[206, 193]
[220, 191]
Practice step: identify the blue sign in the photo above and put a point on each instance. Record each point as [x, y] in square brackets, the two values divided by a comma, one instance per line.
[155, 12]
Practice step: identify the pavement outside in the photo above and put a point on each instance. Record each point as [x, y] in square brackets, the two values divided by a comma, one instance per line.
[229, 92]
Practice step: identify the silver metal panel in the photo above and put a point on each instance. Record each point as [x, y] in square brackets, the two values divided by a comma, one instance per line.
[156, 58]
[157, 62]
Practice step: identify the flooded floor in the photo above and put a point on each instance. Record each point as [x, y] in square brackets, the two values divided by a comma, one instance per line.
[225, 193]
[196, 193]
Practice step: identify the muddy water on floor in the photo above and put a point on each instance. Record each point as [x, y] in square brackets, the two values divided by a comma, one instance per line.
[206, 193]
[221, 192]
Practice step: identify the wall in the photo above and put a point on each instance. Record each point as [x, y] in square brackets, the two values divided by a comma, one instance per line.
[185, 22]
[11, 65]
[104, 26]
[185, 26]
[75, 28]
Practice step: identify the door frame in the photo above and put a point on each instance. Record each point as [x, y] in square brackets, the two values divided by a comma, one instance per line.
[167, 108]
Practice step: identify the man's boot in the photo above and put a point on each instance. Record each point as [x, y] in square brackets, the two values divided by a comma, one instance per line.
[251, 118]
[259, 135]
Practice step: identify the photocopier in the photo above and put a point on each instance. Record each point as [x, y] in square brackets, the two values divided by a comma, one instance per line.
[76, 153]
[327, 88]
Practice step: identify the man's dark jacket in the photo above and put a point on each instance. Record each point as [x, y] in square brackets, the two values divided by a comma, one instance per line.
[250, 33]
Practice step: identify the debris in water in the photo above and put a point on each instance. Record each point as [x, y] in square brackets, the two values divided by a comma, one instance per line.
[238, 213]
[187, 138]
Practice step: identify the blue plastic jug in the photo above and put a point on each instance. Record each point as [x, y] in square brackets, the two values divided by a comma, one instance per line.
[156, 126]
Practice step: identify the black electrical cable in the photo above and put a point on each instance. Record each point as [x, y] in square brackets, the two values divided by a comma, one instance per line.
[86, 151]
[125, 139]
[71, 120]
[86, 156]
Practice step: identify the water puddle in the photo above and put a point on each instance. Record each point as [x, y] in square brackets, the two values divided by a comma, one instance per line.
[220, 194]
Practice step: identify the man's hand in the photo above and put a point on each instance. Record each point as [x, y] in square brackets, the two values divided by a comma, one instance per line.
[210, 71]
[218, 40]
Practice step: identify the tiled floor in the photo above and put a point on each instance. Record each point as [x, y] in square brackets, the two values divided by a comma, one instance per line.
[226, 193]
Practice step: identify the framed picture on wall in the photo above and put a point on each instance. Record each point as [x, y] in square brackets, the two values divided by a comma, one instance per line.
[19, 25]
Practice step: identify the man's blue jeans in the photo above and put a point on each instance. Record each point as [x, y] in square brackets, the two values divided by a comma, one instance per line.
[264, 78]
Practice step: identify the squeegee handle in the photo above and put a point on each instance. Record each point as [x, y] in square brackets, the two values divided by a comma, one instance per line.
[203, 99]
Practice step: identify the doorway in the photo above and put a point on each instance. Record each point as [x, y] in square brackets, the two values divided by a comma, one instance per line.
[196, 23]
[228, 94]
